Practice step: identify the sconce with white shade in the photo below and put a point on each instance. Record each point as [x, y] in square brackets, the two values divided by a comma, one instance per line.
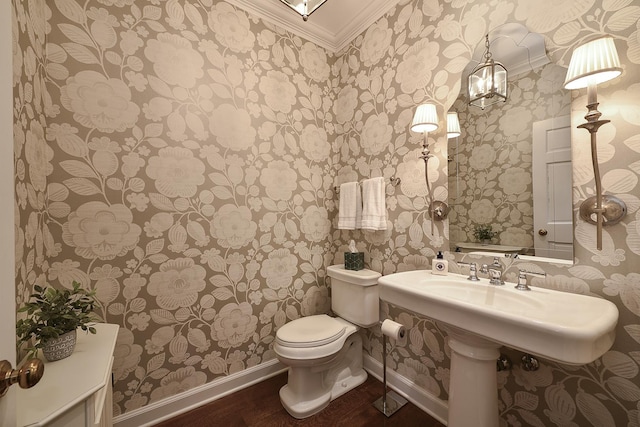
[487, 83]
[425, 120]
[304, 7]
[453, 125]
[593, 63]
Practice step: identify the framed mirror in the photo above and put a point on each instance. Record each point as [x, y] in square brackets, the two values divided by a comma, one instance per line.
[510, 168]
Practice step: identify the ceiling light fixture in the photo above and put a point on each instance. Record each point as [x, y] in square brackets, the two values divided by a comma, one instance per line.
[487, 83]
[304, 7]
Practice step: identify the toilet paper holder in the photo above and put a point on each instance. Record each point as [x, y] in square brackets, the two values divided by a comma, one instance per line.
[391, 403]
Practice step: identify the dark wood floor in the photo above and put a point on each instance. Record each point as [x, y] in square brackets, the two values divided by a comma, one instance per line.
[259, 406]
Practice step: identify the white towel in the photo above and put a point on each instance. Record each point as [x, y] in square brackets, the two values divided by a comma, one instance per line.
[350, 208]
[374, 209]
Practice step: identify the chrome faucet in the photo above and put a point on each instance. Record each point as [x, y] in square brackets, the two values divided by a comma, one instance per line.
[495, 272]
[473, 270]
[522, 279]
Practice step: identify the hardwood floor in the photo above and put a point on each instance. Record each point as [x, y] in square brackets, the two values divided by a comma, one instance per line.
[259, 406]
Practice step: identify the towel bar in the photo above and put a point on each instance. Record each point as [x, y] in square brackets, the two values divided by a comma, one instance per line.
[394, 181]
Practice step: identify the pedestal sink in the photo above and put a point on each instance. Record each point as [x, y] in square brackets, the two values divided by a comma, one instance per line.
[480, 318]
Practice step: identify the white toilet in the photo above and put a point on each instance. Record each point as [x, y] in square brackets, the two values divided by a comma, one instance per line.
[324, 354]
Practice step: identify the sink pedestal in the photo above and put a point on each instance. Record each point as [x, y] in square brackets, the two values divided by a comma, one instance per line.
[473, 383]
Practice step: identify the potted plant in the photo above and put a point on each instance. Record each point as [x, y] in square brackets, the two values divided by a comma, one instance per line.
[483, 233]
[53, 316]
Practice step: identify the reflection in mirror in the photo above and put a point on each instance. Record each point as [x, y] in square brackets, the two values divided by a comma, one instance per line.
[507, 153]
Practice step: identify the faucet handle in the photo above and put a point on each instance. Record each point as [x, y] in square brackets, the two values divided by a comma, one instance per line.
[522, 279]
[473, 270]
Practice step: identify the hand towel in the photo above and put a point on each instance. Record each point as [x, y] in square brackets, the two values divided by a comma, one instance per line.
[374, 209]
[350, 208]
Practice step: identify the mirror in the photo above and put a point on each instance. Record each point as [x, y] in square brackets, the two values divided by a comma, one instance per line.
[510, 169]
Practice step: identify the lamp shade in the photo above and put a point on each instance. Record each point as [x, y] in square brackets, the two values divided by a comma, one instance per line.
[595, 61]
[304, 7]
[425, 119]
[453, 125]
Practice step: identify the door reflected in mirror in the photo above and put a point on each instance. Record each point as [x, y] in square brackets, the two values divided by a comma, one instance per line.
[494, 178]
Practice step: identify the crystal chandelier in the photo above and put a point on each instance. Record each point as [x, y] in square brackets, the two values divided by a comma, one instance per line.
[304, 7]
[487, 82]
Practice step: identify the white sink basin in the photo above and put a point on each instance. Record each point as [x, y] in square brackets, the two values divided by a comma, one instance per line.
[565, 327]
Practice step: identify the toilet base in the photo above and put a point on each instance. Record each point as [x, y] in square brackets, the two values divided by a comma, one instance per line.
[310, 389]
[300, 409]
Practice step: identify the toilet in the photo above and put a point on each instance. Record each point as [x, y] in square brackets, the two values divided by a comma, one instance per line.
[323, 353]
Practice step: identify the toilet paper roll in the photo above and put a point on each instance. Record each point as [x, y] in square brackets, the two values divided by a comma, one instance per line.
[393, 329]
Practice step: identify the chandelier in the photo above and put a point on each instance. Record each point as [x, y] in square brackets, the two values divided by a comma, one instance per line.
[487, 83]
[304, 7]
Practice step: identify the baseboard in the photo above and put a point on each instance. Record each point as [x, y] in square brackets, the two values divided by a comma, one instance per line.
[194, 398]
[430, 404]
[165, 409]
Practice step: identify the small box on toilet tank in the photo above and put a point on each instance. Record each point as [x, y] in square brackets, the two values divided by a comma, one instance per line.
[353, 261]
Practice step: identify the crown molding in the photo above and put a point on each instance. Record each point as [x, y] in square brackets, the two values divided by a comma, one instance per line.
[275, 12]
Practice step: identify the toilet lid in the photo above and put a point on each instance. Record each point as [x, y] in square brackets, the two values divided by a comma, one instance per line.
[312, 331]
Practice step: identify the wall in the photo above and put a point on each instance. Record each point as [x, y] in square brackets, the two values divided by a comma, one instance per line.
[192, 186]
[32, 154]
[7, 227]
[418, 52]
[490, 172]
[213, 183]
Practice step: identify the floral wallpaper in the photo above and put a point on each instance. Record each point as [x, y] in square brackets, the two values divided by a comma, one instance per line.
[32, 155]
[182, 162]
[490, 172]
[185, 174]
[437, 38]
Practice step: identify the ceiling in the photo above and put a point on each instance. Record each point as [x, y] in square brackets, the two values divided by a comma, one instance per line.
[333, 25]
[515, 47]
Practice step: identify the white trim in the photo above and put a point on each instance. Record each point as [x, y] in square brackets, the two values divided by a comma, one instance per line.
[375, 10]
[276, 13]
[437, 408]
[7, 193]
[175, 405]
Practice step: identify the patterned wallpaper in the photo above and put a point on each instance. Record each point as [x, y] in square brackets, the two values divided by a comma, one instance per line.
[490, 172]
[32, 154]
[198, 200]
[185, 174]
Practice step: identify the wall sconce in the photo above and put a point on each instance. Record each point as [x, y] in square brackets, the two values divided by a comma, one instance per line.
[592, 63]
[487, 83]
[453, 125]
[304, 7]
[425, 120]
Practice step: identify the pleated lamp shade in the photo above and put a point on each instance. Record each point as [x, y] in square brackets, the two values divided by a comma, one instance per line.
[595, 61]
[425, 119]
[453, 125]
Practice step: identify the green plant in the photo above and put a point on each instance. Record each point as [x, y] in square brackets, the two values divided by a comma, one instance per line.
[52, 312]
[483, 232]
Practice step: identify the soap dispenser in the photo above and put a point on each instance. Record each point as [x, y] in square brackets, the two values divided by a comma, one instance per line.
[439, 265]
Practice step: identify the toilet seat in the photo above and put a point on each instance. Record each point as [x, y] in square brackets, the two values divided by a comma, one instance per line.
[312, 331]
[312, 337]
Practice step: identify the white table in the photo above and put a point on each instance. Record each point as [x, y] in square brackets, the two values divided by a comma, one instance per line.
[75, 391]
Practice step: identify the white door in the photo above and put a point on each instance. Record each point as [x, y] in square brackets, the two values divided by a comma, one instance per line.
[7, 269]
[552, 194]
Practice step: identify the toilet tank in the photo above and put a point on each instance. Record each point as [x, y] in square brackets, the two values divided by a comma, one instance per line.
[354, 295]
